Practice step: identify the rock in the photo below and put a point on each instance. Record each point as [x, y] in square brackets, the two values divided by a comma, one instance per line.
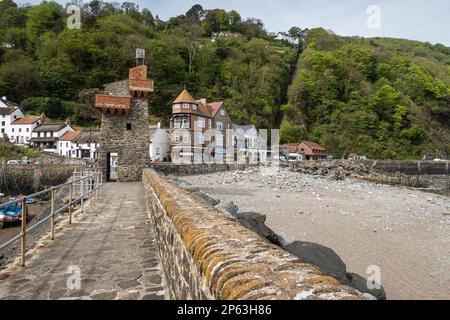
[255, 222]
[172, 177]
[360, 284]
[228, 207]
[206, 198]
[323, 257]
[188, 187]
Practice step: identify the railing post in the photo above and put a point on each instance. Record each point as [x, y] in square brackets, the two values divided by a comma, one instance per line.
[70, 200]
[97, 185]
[52, 220]
[82, 193]
[23, 231]
[101, 183]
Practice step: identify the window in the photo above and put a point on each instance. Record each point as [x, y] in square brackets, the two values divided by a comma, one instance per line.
[222, 112]
[158, 151]
[176, 106]
[20, 129]
[209, 123]
[60, 144]
[3, 130]
[128, 126]
[3, 123]
[12, 130]
[200, 138]
[194, 106]
[67, 144]
[219, 125]
[201, 122]
[185, 105]
[28, 129]
[186, 138]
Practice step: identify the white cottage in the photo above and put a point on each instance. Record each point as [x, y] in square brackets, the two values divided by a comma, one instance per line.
[248, 142]
[45, 137]
[21, 129]
[9, 112]
[159, 144]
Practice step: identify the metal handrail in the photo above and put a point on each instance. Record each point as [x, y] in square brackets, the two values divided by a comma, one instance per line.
[94, 184]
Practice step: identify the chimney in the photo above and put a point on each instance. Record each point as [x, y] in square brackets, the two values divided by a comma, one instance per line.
[68, 122]
[43, 118]
[203, 100]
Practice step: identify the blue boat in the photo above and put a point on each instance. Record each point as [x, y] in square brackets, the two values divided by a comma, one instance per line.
[29, 200]
[9, 214]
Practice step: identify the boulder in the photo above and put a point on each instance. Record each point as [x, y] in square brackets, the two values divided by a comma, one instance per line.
[206, 198]
[255, 222]
[228, 207]
[323, 257]
[360, 284]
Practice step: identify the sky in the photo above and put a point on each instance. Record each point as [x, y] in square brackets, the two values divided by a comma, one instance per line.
[424, 20]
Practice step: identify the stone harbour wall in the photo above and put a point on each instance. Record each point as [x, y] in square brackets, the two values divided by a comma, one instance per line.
[410, 167]
[192, 169]
[28, 179]
[208, 255]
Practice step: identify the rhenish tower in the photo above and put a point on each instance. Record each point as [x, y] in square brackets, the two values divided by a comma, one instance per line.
[124, 137]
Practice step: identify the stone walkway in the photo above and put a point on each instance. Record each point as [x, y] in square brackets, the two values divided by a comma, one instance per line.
[109, 252]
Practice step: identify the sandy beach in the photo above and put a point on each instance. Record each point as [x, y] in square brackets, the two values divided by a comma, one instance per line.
[403, 231]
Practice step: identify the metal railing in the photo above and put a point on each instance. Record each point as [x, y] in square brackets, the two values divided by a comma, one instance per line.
[82, 186]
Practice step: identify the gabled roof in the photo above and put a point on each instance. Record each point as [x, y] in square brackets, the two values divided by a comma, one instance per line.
[184, 97]
[50, 127]
[215, 107]
[88, 136]
[7, 110]
[203, 109]
[313, 145]
[70, 136]
[26, 120]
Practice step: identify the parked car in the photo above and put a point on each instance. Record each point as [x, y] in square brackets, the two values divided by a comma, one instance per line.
[14, 162]
[281, 158]
[296, 157]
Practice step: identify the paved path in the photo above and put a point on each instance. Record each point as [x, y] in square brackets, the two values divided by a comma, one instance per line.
[111, 245]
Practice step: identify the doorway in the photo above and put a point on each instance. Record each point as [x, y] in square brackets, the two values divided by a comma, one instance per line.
[112, 166]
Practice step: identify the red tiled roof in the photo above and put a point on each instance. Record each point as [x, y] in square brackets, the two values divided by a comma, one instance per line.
[184, 97]
[215, 107]
[313, 145]
[203, 109]
[26, 120]
[70, 136]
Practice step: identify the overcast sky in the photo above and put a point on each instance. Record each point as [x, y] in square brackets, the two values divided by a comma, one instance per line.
[425, 20]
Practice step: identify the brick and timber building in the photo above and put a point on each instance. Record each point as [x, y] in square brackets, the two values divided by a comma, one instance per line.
[198, 129]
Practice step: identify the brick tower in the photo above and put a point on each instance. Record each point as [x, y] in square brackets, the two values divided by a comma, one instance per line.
[124, 141]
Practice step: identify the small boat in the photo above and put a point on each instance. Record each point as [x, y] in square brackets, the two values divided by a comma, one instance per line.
[10, 214]
[29, 200]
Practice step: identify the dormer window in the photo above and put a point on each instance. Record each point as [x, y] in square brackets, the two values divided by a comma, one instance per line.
[194, 107]
[185, 105]
[222, 112]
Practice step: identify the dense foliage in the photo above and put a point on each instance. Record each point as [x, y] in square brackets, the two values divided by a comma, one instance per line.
[384, 98]
[49, 65]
